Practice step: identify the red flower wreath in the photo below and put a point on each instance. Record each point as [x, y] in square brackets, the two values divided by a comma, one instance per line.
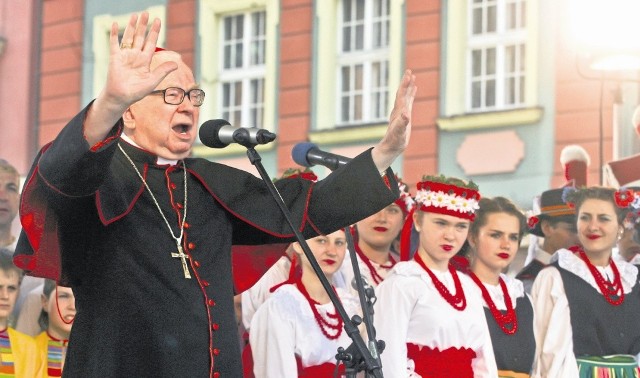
[623, 198]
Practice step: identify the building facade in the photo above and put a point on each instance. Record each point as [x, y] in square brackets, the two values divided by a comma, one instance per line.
[500, 86]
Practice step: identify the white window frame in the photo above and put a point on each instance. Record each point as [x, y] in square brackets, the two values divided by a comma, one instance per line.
[212, 13]
[326, 83]
[245, 74]
[499, 40]
[365, 58]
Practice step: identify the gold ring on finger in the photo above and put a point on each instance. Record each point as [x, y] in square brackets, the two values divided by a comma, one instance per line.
[126, 45]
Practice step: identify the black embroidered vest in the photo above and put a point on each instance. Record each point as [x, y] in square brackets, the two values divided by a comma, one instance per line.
[599, 328]
[514, 352]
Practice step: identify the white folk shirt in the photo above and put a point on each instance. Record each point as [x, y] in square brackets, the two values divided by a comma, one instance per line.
[552, 324]
[255, 296]
[410, 309]
[514, 288]
[285, 327]
[346, 271]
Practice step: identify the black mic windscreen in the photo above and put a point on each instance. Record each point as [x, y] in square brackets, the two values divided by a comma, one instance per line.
[209, 133]
[300, 151]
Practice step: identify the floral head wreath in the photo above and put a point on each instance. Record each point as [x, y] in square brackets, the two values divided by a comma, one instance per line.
[306, 174]
[405, 201]
[442, 195]
[626, 198]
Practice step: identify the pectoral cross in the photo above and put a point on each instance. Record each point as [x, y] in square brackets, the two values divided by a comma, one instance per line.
[184, 258]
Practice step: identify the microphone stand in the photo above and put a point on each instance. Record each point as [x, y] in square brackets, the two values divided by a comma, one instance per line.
[352, 357]
[358, 349]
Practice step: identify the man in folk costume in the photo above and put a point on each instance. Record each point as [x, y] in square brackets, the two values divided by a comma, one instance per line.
[624, 172]
[115, 209]
[556, 220]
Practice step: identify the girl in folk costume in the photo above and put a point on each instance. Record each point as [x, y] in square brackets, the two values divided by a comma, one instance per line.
[297, 331]
[494, 239]
[18, 354]
[279, 272]
[586, 302]
[56, 318]
[374, 237]
[431, 316]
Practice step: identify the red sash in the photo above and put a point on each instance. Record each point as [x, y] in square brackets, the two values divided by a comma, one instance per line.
[247, 357]
[324, 370]
[434, 363]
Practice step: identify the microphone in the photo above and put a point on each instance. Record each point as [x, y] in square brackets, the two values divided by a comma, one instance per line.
[218, 133]
[308, 154]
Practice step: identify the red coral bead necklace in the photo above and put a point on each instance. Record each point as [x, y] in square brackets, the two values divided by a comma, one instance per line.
[457, 300]
[503, 320]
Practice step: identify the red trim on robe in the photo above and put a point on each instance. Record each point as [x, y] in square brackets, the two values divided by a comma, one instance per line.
[106, 221]
[41, 227]
[224, 205]
[96, 147]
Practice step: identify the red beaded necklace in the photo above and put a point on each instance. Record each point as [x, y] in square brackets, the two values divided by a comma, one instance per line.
[608, 289]
[457, 301]
[377, 278]
[325, 325]
[502, 319]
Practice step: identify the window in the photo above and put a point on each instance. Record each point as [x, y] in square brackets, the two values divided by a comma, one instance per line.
[496, 54]
[242, 73]
[363, 63]
[238, 65]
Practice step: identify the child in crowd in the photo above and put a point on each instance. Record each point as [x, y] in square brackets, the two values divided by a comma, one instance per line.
[18, 353]
[56, 318]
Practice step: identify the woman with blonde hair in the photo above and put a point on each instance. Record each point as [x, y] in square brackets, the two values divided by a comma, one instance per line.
[429, 315]
[296, 332]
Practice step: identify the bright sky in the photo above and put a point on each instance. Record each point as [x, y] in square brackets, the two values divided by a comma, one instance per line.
[608, 27]
[606, 23]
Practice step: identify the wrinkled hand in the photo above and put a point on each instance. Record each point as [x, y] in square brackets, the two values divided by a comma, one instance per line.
[397, 136]
[130, 77]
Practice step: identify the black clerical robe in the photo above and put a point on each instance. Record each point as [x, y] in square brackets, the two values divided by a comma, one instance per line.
[90, 223]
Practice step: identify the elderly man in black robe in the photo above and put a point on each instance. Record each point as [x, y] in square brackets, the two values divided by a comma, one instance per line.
[115, 208]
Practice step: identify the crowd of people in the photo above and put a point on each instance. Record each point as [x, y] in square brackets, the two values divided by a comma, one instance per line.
[117, 214]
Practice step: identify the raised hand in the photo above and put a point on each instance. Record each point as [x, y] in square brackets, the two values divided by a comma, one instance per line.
[129, 77]
[397, 136]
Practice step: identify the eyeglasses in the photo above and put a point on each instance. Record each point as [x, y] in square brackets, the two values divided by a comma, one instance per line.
[175, 96]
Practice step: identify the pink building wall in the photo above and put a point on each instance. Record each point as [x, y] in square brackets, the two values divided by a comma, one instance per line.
[16, 109]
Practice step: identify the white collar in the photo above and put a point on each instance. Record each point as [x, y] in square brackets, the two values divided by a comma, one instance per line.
[514, 288]
[159, 160]
[542, 255]
[574, 264]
